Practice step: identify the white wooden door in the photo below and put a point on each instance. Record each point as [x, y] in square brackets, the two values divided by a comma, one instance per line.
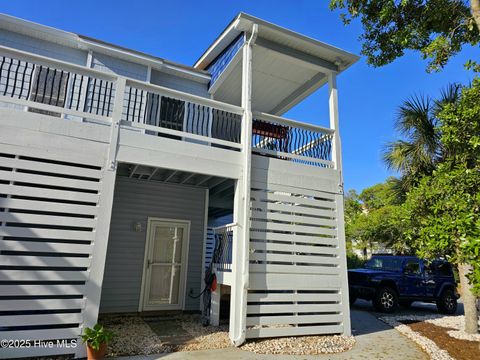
[165, 265]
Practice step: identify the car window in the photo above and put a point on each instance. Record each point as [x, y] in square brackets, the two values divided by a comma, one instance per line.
[384, 263]
[412, 267]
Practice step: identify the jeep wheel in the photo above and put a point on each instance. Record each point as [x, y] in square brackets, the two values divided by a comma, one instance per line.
[385, 300]
[447, 303]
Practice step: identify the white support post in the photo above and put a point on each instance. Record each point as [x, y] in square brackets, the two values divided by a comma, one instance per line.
[240, 248]
[116, 118]
[93, 286]
[337, 158]
[215, 306]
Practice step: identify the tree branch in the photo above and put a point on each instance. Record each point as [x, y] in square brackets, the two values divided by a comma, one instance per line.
[475, 8]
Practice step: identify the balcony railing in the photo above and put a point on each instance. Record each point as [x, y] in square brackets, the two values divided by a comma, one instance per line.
[291, 140]
[222, 255]
[39, 84]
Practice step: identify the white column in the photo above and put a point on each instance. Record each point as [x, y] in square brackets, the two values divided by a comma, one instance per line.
[215, 306]
[337, 158]
[240, 251]
[93, 287]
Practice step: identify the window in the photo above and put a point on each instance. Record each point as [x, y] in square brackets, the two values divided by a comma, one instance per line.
[412, 267]
[384, 263]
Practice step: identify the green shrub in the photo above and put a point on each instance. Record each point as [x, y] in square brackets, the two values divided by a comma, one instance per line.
[354, 261]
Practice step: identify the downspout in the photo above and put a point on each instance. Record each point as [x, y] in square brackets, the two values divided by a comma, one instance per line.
[248, 118]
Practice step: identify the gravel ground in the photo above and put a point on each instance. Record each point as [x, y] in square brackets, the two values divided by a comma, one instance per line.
[451, 322]
[306, 345]
[133, 336]
[457, 323]
[426, 344]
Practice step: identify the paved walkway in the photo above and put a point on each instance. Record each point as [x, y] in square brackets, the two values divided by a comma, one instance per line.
[375, 340]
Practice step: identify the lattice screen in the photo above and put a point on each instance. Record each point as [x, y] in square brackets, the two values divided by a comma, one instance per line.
[295, 282]
[48, 215]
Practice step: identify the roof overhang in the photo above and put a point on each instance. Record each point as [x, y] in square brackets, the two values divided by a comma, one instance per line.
[81, 42]
[269, 33]
[287, 66]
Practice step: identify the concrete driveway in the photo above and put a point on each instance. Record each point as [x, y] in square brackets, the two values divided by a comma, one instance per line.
[375, 340]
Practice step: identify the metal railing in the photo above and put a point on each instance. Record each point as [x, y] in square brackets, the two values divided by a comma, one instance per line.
[174, 114]
[222, 255]
[40, 84]
[291, 140]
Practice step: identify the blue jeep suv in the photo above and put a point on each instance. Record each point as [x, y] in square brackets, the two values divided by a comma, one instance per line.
[389, 281]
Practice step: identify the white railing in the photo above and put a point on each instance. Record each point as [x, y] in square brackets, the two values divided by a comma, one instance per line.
[291, 140]
[222, 254]
[39, 84]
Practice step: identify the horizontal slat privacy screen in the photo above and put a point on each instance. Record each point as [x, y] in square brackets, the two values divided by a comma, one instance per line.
[48, 215]
[295, 274]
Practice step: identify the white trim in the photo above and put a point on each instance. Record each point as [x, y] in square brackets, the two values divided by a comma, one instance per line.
[204, 247]
[184, 267]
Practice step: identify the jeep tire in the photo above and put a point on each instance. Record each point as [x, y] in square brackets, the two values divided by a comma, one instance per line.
[385, 300]
[447, 302]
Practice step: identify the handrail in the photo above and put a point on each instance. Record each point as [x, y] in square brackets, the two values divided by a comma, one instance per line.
[225, 226]
[142, 85]
[45, 61]
[294, 123]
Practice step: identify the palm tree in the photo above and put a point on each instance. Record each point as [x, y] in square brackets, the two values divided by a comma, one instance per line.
[420, 149]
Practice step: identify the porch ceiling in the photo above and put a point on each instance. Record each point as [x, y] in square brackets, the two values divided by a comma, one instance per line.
[221, 190]
[279, 83]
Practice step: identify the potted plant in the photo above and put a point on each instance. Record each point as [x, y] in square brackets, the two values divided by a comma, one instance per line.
[96, 340]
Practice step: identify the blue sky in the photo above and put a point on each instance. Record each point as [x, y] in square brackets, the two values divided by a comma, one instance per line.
[182, 30]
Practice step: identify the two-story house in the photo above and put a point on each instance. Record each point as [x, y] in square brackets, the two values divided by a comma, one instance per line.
[115, 163]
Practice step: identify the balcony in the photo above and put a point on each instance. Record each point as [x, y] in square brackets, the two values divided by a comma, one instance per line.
[58, 89]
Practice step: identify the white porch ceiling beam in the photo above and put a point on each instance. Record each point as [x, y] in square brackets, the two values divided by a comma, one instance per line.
[172, 174]
[220, 188]
[298, 57]
[133, 171]
[299, 94]
[153, 173]
[217, 182]
[188, 177]
[203, 181]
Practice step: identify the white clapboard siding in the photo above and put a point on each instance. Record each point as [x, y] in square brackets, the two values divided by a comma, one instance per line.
[47, 247]
[17, 163]
[43, 275]
[295, 273]
[13, 217]
[22, 232]
[292, 297]
[41, 319]
[293, 247]
[20, 204]
[299, 238]
[42, 304]
[48, 180]
[47, 233]
[42, 290]
[48, 193]
[293, 319]
[45, 261]
[295, 331]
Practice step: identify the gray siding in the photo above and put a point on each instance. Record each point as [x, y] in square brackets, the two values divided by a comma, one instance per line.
[179, 83]
[119, 67]
[42, 47]
[134, 201]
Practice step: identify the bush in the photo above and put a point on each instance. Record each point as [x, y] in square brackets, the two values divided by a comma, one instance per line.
[354, 261]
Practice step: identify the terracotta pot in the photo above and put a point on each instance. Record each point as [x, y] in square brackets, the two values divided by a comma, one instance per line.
[97, 354]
